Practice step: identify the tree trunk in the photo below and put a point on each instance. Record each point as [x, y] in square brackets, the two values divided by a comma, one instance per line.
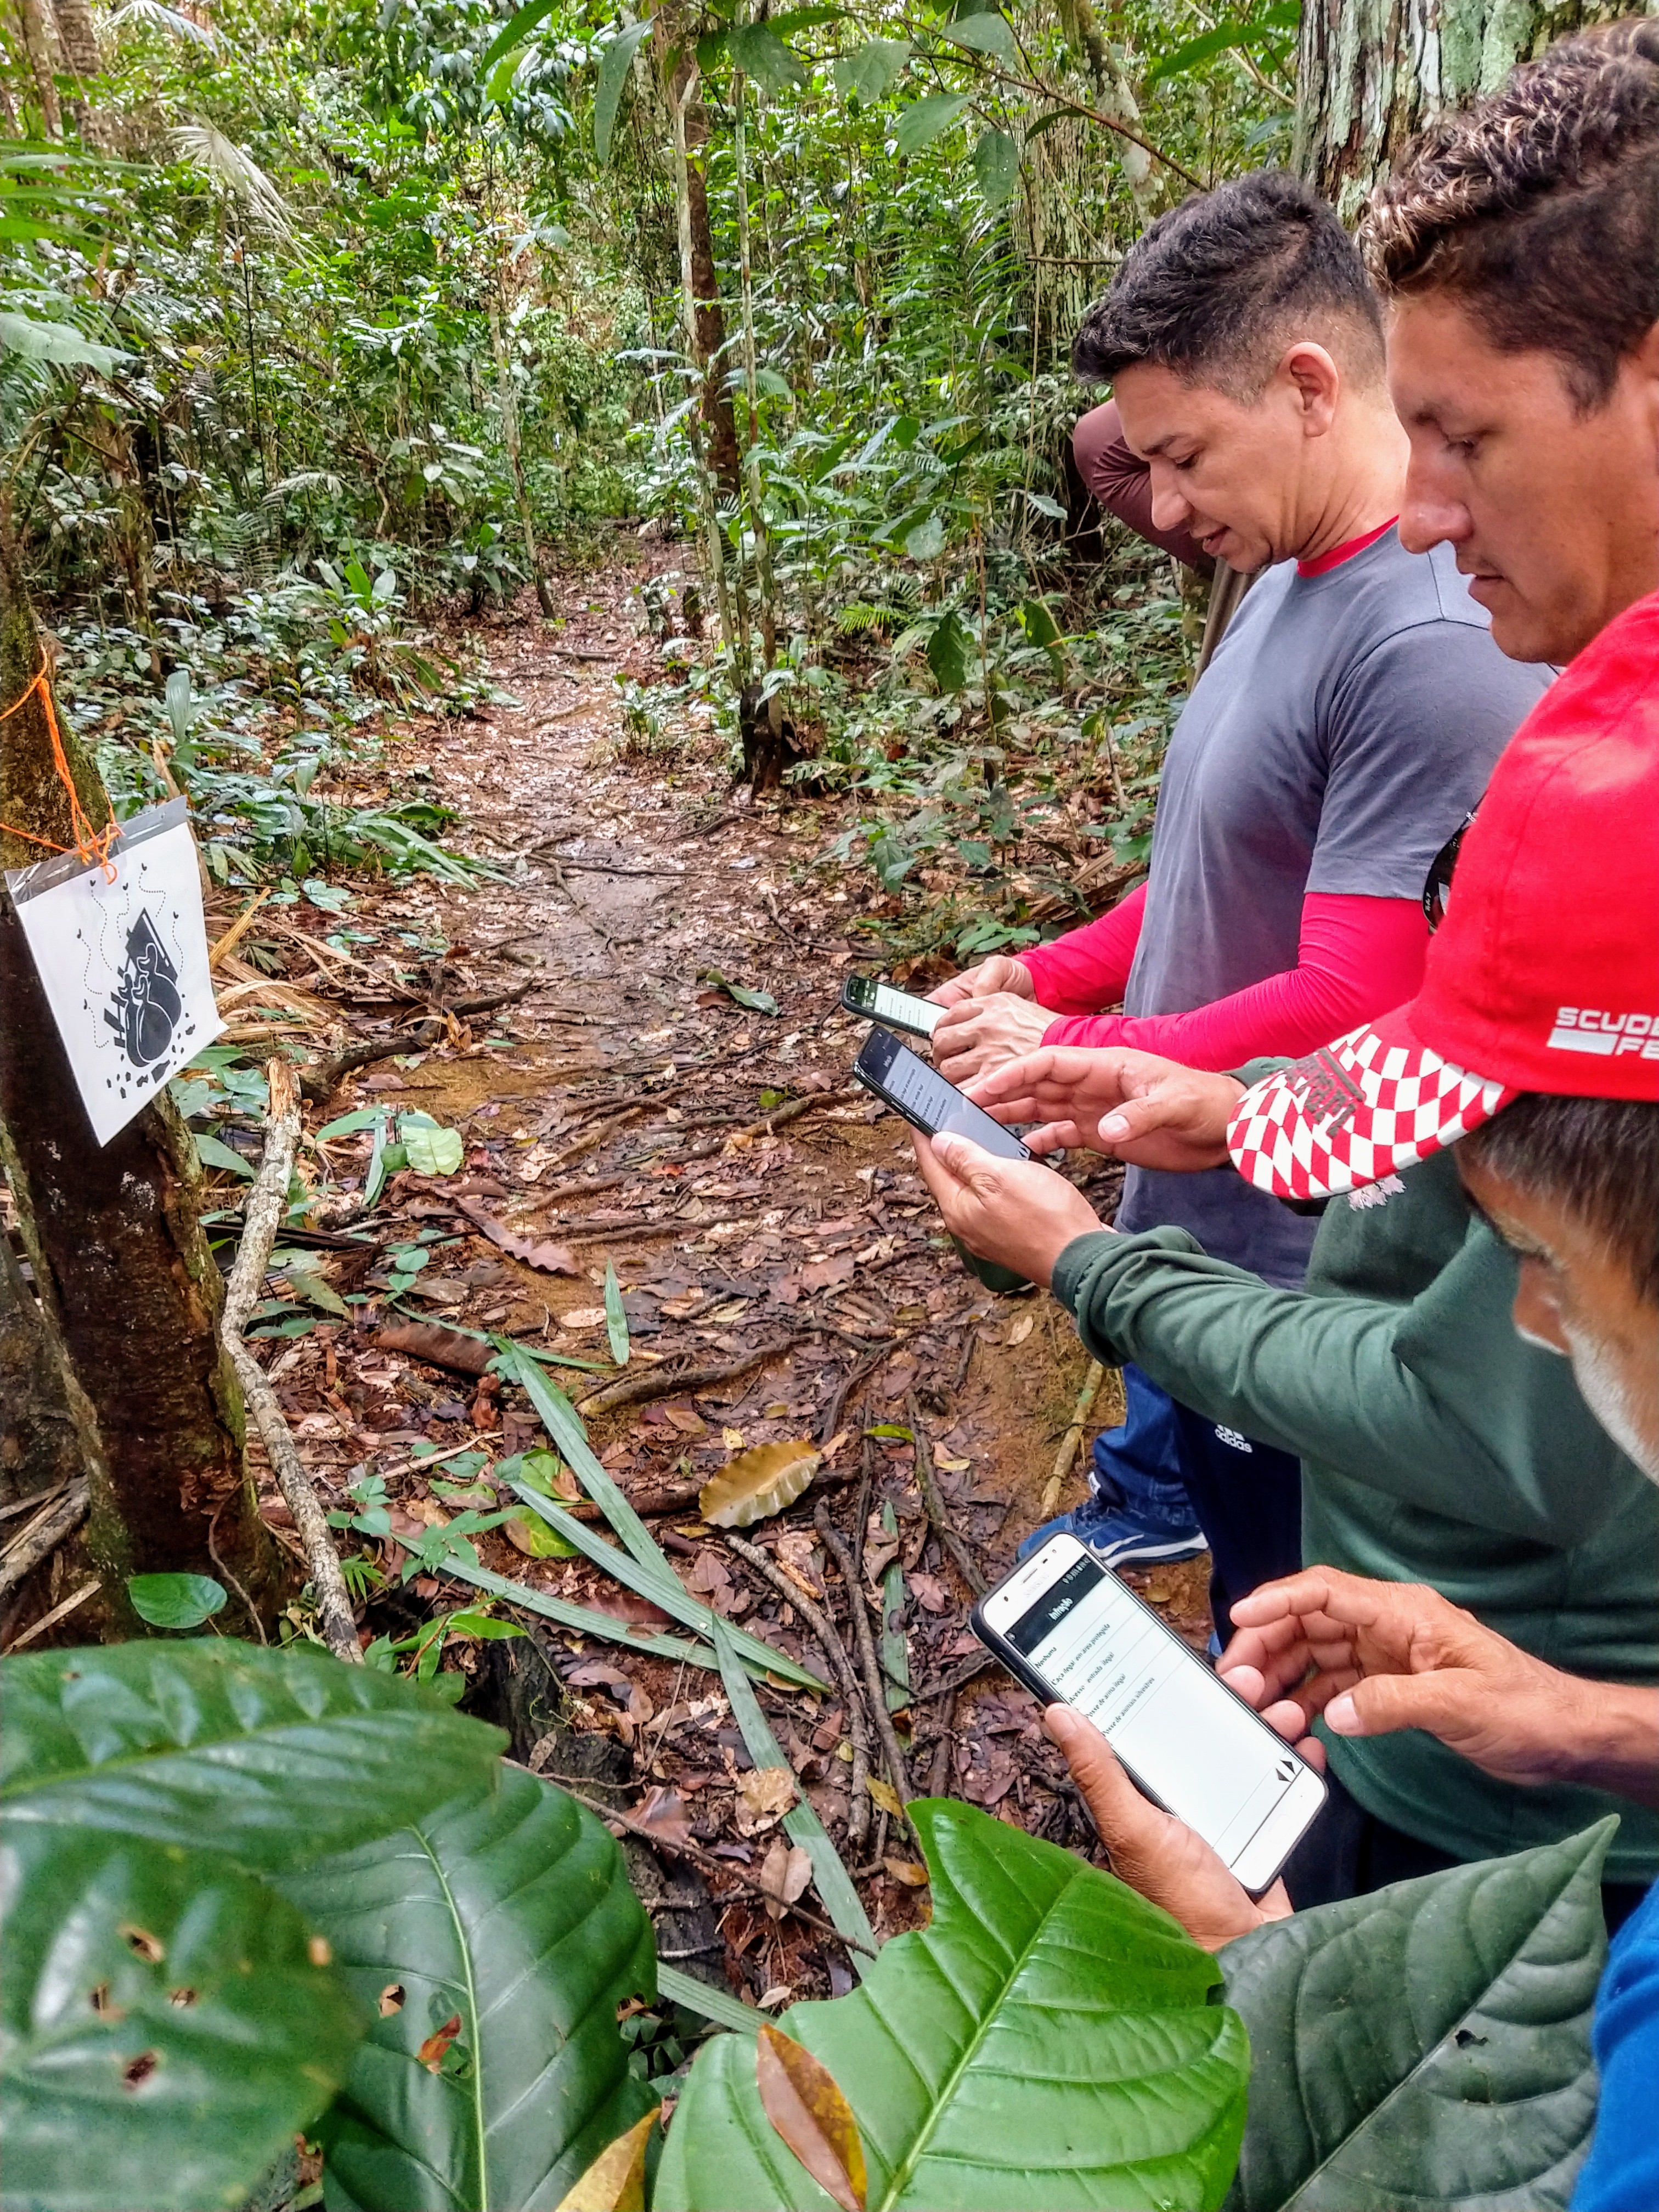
[78, 36]
[1371, 72]
[129, 1293]
[37, 1446]
[708, 321]
[39, 45]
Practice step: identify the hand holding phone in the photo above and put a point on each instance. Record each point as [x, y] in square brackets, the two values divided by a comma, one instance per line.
[894, 1010]
[1065, 1626]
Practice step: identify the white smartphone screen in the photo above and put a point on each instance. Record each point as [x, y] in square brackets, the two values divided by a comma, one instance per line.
[887, 1004]
[1184, 1736]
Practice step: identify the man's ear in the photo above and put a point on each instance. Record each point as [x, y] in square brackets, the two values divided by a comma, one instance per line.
[1316, 382]
[1643, 362]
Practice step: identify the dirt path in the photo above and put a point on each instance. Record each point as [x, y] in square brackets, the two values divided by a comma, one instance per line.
[761, 1217]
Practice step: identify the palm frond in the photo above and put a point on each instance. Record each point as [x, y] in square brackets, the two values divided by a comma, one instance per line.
[238, 174]
[157, 17]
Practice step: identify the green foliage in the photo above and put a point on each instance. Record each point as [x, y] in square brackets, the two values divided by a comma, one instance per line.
[274, 1755]
[1426, 2044]
[167, 2026]
[175, 1601]
[1048, 2037]
[507, 1914]
[170, 2020]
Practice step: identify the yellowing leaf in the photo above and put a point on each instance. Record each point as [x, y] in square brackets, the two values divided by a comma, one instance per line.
[807, 2109]
[911, 1871]
[528, 1533]
[949, 1462]
[615, 2180]
[733, 1439]
[759, 1483]
[885, 1797]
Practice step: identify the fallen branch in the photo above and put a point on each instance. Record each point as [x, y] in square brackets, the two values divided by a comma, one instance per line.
[58, 1518]
[1073, 1438]
[829, 1642]
[769, 1123]
[639, 1389]
[320, 1083]
[928, 1487]
[835, 1544]
[267, 1203]
[58, 1613]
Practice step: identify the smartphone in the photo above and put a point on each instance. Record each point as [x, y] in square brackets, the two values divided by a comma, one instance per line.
[880, 1002]
[1067, 1628]
[921, 1094]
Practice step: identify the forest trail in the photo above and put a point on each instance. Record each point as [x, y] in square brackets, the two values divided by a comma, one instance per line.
[775, 1248]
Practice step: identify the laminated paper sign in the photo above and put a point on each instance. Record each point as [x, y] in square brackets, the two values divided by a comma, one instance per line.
[125, 963]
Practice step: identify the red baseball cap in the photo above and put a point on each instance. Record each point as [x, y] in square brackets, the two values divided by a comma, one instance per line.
[1545, 974]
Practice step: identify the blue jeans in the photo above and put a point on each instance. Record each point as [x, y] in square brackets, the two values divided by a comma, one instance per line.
[1171, 1465]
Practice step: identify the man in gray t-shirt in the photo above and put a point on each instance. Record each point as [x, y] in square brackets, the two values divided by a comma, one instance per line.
[1344, 729]
[1335, 742]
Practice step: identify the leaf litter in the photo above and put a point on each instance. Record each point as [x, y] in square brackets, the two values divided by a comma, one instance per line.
[625, 1178]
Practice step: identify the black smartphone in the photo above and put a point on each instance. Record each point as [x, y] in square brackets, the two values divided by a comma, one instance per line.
[896, 1009]
[1065, 1626]
[921, 1094]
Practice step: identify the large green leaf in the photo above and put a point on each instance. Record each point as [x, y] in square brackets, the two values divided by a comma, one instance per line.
[987, 34]
[872, 70]
[167, 2026]
[1427, 2044]
[615, 60]
[923, 123]
[269, 1757]
[1050, 2039]
[510, 1909]
[756, 49]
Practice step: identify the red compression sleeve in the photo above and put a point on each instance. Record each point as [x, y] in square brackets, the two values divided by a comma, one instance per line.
[1356, 957]
[1122, 483]
[1087, 968]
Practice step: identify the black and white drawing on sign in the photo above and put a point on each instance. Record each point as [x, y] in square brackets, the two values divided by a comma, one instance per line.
[122, 952]
[146, 1006]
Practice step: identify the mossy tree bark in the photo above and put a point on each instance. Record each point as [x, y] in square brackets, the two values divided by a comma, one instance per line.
[130, 1294]
[37, 1446]
[1371, 72]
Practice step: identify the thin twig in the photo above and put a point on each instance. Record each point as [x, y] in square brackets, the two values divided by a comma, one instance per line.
[1073, 1438]
[637, 1389]
[930, 1497]
[267, 1203]
[849, 1383]
[42, 1536]
[835, 1544]
[248, 1605]
[58, 1613]
[828, 1637]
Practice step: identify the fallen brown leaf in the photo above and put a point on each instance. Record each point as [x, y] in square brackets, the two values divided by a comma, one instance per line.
[442, 1347]
[785, 1871]
[759, 1483]
[804, 2102]
[550, 1258]
[764, 1796]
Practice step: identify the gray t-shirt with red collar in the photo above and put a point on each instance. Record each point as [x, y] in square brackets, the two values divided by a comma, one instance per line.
[1347, 723]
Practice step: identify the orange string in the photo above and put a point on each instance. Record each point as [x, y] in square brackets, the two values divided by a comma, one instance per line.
[90, 844]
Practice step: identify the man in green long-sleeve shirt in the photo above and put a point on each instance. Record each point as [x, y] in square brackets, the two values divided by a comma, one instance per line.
[1437, 1446]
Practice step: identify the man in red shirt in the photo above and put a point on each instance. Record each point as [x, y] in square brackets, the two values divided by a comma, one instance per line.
[1346, 724]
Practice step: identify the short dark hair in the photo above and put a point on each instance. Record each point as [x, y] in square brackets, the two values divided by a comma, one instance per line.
[1537, 208]
[1599, 1158]
[1218, 286]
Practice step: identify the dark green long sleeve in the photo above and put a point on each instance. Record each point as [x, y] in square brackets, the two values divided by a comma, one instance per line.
[1437, 1446]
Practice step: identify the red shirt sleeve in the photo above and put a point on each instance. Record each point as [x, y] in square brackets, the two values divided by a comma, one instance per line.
[1356, 957]
[1087, 968]
[1122, 483]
